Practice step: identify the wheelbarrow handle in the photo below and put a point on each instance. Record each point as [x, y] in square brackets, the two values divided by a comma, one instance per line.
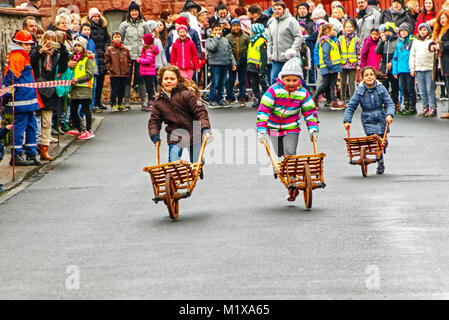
[315, 149]
[347, 130]
[203, 146]
[158, 146]
[384, 139]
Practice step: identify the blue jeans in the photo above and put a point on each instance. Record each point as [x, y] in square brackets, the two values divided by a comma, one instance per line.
[25, 124]
[426, 88]
[276, 67]
[217, 86]
[175, 152]
[241, 70]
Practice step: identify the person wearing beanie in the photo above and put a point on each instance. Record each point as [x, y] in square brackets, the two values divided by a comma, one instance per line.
[284, 33]
[18, 70]
[147, 67]
[239, 42]
[192, 33]
[118, 61]
[421, 66]
[184, 54]
[386, 48]
[278, 118]
[161, 57]
[257, 62]
[396, 14]
[101, 38]
[82, 64]
[369, 57]
[132, 30]
[304, 15]
[428, 15]
[367, 19]
[401, 68]
[350, 49]
[319, 13]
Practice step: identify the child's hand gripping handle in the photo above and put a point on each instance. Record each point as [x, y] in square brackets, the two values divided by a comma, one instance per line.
[158, 159]
[348, 127]
[384, 139]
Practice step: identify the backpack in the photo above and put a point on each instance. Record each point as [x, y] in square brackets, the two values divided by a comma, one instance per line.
[67, 75]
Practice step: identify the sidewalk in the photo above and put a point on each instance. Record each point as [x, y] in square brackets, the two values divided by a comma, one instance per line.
[23, 173]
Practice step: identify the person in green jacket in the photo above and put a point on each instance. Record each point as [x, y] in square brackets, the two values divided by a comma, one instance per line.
[239, 41]
[82, 62]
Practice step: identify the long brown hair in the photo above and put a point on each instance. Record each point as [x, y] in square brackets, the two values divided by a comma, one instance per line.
[438, 30]
[163, 35]
[189, 84]
[424, 11]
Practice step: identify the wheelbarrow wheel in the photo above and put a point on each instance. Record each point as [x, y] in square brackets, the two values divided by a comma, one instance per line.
[308, 190]
[172, 203]
[363, 162]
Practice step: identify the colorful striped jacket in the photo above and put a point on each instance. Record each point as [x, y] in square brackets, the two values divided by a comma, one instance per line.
[279, 110]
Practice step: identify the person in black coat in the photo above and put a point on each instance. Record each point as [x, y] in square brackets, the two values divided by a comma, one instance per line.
[304, 15]
[396, 14]
[100, 36]
[257, 16]
[51, 59]
[222, 17]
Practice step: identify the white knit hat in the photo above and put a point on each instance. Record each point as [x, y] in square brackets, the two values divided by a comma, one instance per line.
[318, 12]
[293, 66]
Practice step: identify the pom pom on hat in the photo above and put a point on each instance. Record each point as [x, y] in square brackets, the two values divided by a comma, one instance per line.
[182, 21]
[290, 54]
[293, 65]
[133, 6]
[318, 12]
[148, 39]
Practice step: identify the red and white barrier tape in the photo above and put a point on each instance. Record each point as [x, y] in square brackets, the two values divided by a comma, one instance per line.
[37, 85]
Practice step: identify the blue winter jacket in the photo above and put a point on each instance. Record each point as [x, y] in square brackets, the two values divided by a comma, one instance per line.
[402, 55]
[327, 61]
[376, 105]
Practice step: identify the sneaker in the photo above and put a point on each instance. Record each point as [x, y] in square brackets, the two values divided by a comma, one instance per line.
[122, 108]
[19, 160]
[292, 194]
[96, 109]
[53, 140]
[127, 105]
[230, 101]
[423, 112]
[336, 106]
[444, 98]
[86, 135]
[445, 116]
[74, 132]
[380, 167]
[223, 103]
[431, 113]
[321, 98]
[148, 108]
[409, 112]
[242, 102]
[214, 105]
[115, 108]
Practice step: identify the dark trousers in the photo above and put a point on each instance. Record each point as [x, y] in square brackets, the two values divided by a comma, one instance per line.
[25, 126]
[85, 107]
[117, 89]
[328, 81]
[394, 87]
[408, 89]
[241, 71]
[257, 82]
[150, 82]
[99, 89]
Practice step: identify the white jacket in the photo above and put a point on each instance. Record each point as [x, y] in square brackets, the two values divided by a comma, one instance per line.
[421, 59]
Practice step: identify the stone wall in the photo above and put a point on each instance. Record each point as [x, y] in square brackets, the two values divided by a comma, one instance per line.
[150, 8]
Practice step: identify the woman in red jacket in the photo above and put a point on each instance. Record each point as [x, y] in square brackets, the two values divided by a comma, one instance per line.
[184, 54]
[427, 15]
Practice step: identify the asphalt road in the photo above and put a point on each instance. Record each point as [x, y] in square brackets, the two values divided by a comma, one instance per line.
[88, 228]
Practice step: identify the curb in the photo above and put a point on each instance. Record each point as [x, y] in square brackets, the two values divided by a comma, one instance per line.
[33, 170]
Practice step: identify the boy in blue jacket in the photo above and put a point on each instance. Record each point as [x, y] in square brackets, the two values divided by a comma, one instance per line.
[377, 107]
[401, 68]
[27, 100]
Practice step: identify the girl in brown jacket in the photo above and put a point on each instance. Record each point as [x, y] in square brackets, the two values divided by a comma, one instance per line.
[183, 112]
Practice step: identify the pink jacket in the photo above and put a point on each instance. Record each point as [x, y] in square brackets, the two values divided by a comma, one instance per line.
[147, 62]
[184, 55]
[369, 56]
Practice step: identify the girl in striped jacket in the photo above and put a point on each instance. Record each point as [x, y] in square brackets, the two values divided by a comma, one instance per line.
[278, 113]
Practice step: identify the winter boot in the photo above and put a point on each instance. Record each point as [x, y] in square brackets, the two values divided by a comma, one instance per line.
[380, 167]
[34, 160]
[19, 160]
[336, 106]
[43, 151]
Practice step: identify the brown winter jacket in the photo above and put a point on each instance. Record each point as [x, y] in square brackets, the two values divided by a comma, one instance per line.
[179, 113]
[118, 61]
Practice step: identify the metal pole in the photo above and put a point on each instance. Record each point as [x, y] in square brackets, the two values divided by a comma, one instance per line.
[13, 136]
